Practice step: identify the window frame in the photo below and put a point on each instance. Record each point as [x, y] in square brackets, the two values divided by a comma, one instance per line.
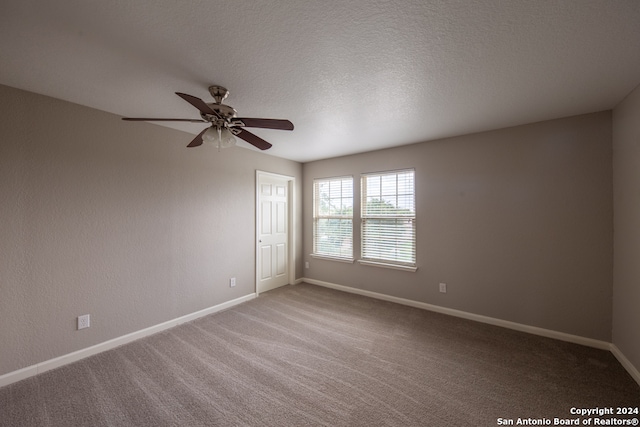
[319, 216]
[366, 216]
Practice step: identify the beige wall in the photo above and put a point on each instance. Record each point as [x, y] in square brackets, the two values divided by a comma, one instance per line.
[626, 260]
[115, 219]
[517, 222]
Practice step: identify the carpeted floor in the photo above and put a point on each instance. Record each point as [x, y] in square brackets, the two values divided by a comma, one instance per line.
[309, 356]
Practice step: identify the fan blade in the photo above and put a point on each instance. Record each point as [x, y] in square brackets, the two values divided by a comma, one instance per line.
[252, 139]
[198, 139]
[150, 119]
[198, 103]
[265, 123]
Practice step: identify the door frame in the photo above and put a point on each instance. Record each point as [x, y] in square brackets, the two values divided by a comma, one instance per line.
[291, 219]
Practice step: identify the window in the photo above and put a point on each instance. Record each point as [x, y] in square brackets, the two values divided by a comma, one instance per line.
[333, 218]
[389, 218]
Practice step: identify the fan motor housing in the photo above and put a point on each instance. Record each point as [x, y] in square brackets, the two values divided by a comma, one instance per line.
[223, 110]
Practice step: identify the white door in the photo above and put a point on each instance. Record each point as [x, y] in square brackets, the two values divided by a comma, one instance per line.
[273, 232]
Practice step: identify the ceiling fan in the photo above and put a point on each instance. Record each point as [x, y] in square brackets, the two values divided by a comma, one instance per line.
[224, 123]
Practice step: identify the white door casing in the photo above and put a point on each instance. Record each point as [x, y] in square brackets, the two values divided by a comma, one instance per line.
[273, 231]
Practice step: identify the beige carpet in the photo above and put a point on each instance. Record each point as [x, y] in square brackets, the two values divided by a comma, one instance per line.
[309, 356]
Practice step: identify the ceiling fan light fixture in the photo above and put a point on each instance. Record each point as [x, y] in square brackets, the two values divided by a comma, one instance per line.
[219, 137]
[224, 124]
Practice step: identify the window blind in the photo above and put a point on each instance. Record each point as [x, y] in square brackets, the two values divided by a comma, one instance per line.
[333, 217]
[389, 217]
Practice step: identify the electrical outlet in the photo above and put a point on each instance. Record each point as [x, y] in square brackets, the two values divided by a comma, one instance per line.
[84, 321]
[306, 264]
[443, 288]
[232, 282]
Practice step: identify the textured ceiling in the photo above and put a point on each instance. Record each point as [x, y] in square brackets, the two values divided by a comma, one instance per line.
[352, 76]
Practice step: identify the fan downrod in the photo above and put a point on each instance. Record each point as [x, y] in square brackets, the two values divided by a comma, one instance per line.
[218, 93]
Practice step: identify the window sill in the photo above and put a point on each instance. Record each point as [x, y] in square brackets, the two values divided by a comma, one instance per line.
[330, 258]
[411, 269]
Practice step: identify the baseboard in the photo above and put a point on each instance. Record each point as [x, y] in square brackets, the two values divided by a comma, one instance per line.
[57, 362]
[632, 370]
[603, 345]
